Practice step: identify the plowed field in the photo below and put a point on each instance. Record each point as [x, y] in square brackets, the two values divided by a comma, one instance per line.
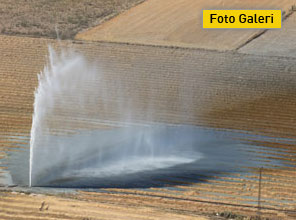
[248, 93]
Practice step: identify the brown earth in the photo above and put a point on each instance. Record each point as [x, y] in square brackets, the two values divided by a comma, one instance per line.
[178, 23]
[37, 206]
[224, 91]
[250, 93]
[275, 43]
[222, 88]
[41, 17]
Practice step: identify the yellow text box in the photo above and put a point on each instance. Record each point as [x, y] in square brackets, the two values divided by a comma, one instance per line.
[264, 19]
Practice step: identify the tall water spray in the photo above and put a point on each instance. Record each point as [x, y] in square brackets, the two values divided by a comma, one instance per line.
[83, 127]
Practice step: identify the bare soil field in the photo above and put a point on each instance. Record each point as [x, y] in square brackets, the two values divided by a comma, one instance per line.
[225, 82]
[226, 90]
[249, 93]
[38, 206]
[275, 43]
[178, 23]
[41, 18]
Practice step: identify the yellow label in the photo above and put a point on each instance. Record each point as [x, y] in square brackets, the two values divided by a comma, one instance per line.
[265, 19]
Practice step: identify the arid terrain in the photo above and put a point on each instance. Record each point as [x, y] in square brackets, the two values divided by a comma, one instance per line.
[233, 88]
[178, 23]
[68, 17]
[275, 43]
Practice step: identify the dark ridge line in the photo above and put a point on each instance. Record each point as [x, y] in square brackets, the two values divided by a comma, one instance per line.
[254, 37]
[101, 42]
[201, 201]
[88, 42]
[176, 47]
[262, 32]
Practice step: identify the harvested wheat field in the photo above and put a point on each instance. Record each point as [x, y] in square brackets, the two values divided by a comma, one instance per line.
[178, 23]
[20, 205]
[237, 106]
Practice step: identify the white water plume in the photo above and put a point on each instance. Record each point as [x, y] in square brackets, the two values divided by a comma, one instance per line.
[82, 127]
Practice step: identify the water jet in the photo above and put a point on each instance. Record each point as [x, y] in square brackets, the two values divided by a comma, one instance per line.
[84, 127]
